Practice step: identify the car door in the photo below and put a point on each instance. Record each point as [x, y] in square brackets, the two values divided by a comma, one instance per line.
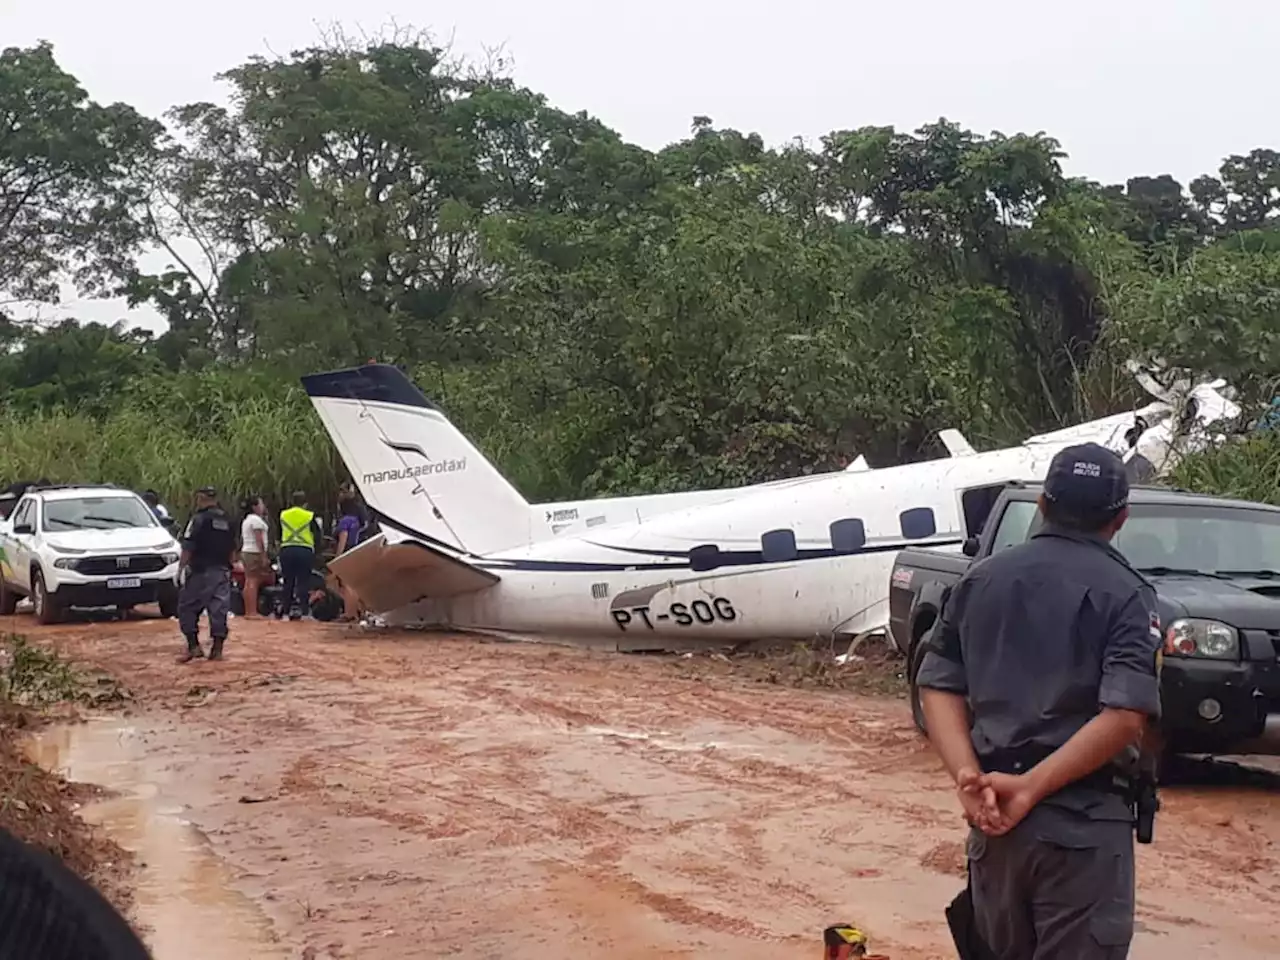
[20, 545]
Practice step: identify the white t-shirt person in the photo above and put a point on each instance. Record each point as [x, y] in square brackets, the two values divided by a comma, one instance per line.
[249, 542]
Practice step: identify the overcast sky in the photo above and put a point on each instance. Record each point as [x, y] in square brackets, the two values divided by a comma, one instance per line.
[1128, 86]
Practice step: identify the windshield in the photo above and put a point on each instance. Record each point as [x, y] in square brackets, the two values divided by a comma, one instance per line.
[96, 513]
[1205, 539]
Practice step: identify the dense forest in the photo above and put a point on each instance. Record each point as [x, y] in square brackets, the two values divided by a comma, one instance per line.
[599, 317]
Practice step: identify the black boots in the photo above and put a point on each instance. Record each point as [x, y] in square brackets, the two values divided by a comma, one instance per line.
[193, 651]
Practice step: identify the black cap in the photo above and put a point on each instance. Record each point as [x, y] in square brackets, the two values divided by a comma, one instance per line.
[1087, 479]
[208, 491]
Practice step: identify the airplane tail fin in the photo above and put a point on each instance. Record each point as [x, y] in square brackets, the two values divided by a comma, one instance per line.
[414, 468]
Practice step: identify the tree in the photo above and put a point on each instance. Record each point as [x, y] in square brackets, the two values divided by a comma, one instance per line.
[337, 203]
[601, 317]
[66, 180]
[85, 367]
[1244, 196]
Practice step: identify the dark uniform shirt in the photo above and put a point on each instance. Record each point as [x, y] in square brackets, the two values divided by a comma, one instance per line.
[210, 539]
[1039, 638]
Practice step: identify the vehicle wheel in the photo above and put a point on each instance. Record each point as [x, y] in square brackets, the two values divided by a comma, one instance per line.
[917, 707]
[266, 601]
[236, 606]
[46, 608]
[168, 602]
[8, 601]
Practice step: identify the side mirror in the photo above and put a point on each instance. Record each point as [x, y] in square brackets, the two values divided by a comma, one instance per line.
[23, 528]
[970, 547]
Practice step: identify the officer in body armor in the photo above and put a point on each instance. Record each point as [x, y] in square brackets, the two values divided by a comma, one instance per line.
[208, 550]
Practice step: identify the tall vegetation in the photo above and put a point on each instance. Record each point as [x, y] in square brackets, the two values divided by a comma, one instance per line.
[602, 318]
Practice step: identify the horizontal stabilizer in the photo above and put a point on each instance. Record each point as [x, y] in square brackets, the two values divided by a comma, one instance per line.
[386, 575]
[859, 465]
[955, 443]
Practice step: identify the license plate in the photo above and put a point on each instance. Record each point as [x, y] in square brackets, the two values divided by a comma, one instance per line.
[124, 583]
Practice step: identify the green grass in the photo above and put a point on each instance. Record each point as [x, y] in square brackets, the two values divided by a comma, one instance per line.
[32, 676]
[1248, 469]
[263, 448]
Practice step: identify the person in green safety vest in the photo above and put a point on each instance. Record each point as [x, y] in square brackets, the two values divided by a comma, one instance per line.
[299, 534]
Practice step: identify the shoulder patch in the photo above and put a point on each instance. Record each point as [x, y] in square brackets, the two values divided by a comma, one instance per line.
[1156, 633]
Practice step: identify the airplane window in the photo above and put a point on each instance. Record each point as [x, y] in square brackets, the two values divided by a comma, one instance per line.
[778, 546]
[848, 536]
[917, 523]
[705, 557]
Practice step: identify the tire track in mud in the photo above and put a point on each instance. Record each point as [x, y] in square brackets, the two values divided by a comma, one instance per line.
[425, 788]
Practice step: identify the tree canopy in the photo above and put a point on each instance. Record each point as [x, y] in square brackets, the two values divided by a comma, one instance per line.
[602, 318]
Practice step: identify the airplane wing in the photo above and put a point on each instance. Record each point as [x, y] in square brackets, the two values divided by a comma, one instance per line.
[393, 570]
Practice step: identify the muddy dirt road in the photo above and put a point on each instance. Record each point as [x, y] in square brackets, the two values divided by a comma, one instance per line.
[399, 795]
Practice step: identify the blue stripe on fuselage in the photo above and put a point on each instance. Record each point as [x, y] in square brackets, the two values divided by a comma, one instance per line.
[681, 560]
[678, 559]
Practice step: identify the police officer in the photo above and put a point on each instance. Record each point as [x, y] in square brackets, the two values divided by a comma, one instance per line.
[208, 547]
[1052, 646]
[299, 534]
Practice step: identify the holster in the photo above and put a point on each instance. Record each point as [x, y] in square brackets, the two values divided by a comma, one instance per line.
[964, 927]
[1146, 804]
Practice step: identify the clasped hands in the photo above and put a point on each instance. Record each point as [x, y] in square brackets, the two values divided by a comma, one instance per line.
[995, 803]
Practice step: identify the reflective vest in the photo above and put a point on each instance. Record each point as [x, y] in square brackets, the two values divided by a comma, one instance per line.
[295, 528]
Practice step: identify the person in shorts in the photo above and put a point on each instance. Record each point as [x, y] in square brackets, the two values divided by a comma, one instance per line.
[253, 552]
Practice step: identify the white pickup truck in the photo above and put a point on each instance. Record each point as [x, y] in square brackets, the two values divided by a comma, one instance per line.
[85, 546]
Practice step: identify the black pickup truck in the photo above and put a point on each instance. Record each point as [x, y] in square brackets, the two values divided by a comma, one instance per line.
[1215, 565]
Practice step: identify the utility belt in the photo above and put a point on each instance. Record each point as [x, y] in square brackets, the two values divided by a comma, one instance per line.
[1138, 791]
[1108, 779]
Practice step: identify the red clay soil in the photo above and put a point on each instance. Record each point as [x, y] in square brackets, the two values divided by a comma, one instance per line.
[41, 808]
[428, 796]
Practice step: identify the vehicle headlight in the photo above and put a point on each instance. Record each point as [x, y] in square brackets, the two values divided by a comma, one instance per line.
[66, 563]
[170, 558]
[1193, 637]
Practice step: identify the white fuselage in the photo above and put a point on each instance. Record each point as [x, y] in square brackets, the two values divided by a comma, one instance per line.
[793, 559]
[637, 582]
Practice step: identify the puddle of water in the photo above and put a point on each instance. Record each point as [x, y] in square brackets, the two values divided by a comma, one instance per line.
[184, 901]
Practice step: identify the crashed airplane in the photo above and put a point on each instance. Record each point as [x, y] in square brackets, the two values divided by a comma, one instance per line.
[809, 557]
